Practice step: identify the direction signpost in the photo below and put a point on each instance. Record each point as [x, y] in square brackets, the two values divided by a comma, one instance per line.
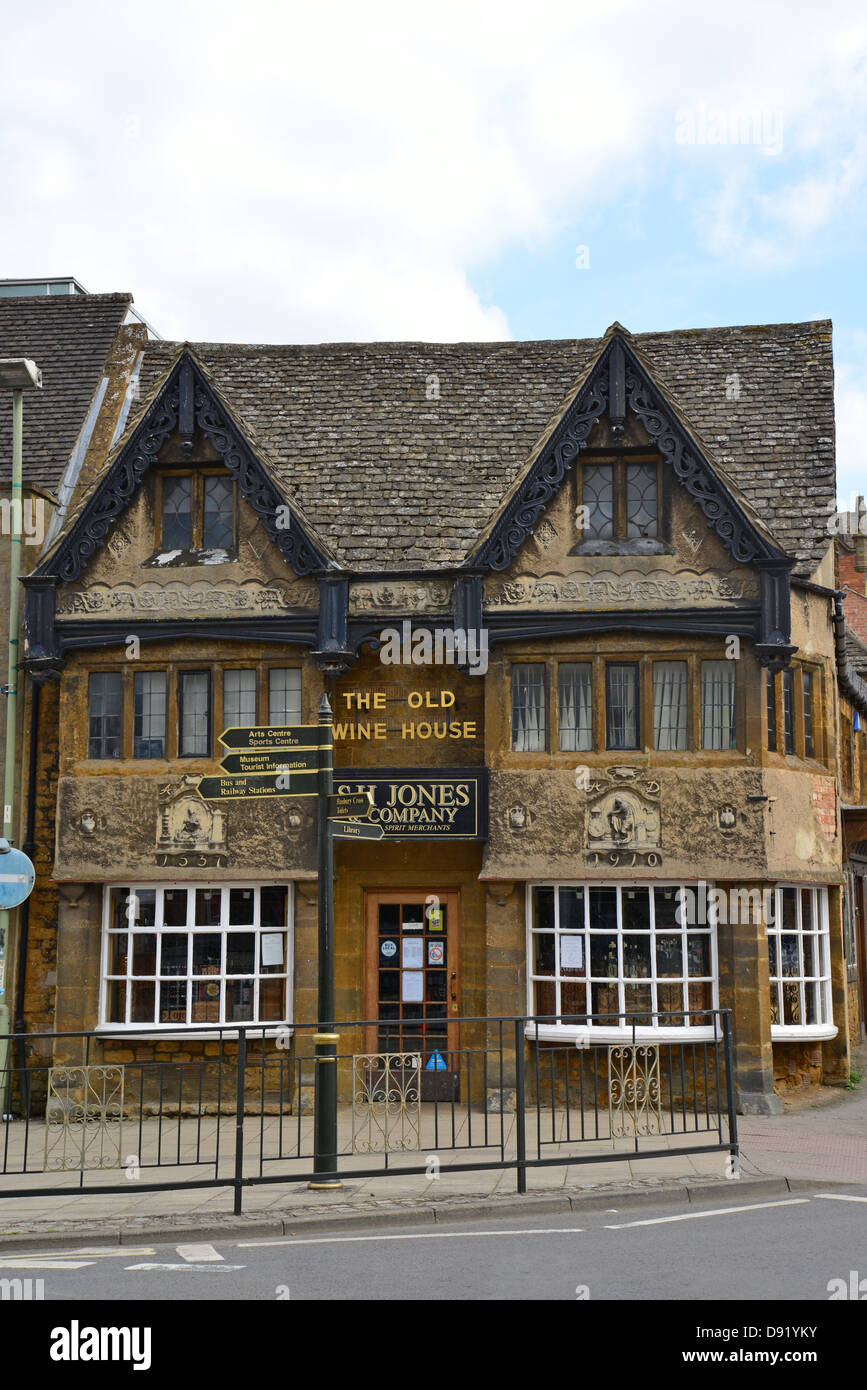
[297, 761]
[272, 760]
[356, 830]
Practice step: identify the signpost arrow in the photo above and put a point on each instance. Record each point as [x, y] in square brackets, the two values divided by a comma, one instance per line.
[254, 760]
[350, 804]
[278, 784]
[356, 830]
[277, 736]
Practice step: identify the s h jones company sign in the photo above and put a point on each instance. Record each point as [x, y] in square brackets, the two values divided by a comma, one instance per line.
[421, 804]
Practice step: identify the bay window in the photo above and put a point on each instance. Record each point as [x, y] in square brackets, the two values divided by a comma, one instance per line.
[799, 963]
[605, 958]
[177, 956]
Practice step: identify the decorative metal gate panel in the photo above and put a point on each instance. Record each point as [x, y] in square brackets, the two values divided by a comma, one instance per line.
[634, 1090]
[386, 1102]
[84, 1118]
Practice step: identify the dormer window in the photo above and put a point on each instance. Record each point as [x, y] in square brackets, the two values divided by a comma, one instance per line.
[196, 515]
[618, 506]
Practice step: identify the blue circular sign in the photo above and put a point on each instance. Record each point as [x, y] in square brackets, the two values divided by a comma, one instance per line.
[17, 876]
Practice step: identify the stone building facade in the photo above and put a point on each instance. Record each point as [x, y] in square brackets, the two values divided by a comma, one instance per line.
[617, 806]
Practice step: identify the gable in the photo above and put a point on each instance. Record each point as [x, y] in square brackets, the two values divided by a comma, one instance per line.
[617, 402]
[185, 420]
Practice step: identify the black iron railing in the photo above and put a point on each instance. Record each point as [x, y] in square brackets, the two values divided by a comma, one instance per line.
[98, 1112]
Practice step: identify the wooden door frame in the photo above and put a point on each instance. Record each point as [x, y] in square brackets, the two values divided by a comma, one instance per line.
[451, 899]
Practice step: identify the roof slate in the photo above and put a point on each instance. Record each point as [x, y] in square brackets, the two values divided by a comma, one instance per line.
[69, 338]
[392, 479]
[856, 652]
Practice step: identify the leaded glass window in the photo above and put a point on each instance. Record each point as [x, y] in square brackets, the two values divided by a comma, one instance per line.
[528, 708]
[218, 521]
[239, 699]
[718, 704]
[621, 705]
[575, 706]
[597, 495]
[284, 696]
[669, 705]
[104, 715]
[177, 513]
[149, 714]
[194, 700]
[641, 505]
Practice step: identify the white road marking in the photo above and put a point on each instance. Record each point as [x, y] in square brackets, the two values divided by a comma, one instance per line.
[69, 1259]
[198, 1253]
[194, 1269]
[45, 1264]
[719, 1211]
[838, 1197]
[415, 1235]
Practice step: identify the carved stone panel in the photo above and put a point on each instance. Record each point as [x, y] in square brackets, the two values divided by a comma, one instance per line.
[190, 831]
[622, 820]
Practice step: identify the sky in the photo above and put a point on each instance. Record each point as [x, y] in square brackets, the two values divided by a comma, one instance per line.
[286, 172]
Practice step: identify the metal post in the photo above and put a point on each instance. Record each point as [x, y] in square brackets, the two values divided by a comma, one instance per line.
[734, 1148]
[239, 1117]
[520, 1132]
[15, 540]
[325, 1040]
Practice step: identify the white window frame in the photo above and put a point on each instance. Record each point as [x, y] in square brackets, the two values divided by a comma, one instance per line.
[825, 1028]
[198, 1029]
[604, 1033]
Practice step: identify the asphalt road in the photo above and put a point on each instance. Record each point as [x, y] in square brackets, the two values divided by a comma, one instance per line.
[781, 1249]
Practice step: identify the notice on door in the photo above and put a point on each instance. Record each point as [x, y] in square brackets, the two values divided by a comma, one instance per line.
[412, 991]
[413, 953]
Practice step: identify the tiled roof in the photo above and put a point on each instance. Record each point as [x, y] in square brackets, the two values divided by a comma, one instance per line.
[392, 478]
[67, 336]
[856, 652]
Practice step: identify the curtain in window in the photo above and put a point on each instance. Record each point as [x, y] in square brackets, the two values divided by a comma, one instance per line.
[669, 704]
[717, 704]
[575, 700]
[195, 731]
[528, 708]
[622, 706]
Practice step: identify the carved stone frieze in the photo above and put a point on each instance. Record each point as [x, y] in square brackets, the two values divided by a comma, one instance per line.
[422, 596]
[632, 589]
[176, 596]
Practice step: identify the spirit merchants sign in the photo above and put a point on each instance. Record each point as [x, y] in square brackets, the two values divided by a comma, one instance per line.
[449, 803]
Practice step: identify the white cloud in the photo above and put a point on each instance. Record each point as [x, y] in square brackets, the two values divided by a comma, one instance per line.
[851, 412]
[295, 172]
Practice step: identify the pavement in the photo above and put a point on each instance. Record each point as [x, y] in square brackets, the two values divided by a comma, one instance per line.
[820, 1138]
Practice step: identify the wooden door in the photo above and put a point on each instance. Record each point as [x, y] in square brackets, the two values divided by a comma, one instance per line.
[412, 985]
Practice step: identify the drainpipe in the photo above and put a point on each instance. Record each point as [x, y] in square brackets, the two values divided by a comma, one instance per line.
[18, 375]
[852, 685]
